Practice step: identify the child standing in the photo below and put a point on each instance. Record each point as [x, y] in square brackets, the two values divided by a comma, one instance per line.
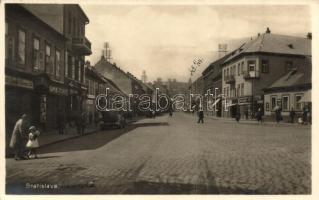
[33, 141]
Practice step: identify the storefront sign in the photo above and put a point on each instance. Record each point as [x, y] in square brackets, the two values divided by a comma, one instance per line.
[57, 90]
[90, 96]
[20, 82]
[244, 100]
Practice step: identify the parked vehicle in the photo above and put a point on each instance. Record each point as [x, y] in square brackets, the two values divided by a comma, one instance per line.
[112, 119]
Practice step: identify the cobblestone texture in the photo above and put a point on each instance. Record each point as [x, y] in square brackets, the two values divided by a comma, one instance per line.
[175, 155]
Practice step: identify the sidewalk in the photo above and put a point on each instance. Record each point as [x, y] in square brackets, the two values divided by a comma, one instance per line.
[53, 136]
[266, 120]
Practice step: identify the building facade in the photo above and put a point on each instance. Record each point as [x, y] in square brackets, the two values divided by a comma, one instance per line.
[70, 21]
[257, 64]
[34, 69]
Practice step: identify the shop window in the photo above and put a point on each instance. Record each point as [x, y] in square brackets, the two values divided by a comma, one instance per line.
[264, 66]
[21, 47]
[297, 103]
[57, 63]
[36, 54]
[285, 103]
[267, 106]
[273, 102]
[251, 65]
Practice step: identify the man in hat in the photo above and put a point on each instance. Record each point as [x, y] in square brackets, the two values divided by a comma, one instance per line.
[19, 138]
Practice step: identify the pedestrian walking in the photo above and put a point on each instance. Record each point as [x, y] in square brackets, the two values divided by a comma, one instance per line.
[237, 114]
[33, 142]
[246, 113]
[80, 123]
[259, 115]
[200, 116]
[19, 138]
[278, 114]
[292, 115]
[61, 122]
[305, 115]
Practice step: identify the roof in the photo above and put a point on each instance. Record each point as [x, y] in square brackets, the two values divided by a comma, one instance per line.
[274, 43]
[290, 80]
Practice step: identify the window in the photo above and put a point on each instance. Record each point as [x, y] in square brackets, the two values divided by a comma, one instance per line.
[66, 65]
[79, 71]
[227, 74]
[21, 47]
[36, 54]
[73, 67]
[242, 67]
[238, 87]
[238, 69]
[57, 63]
[48, 62]
[273, 102]
[289, 65]
[224, 74]
[251, 65]
[70, 23]
[285, 103]
[264, 66]
[225, 91]
[76, 70]
[267, 106]
[242, 89]
[297, 103]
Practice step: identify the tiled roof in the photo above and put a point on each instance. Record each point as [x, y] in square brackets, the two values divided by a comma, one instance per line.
[273, 43]
[291, 79]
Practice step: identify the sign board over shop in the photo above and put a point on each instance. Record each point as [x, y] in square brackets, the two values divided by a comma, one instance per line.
[57, 90]
[19, 82]
[244, 100]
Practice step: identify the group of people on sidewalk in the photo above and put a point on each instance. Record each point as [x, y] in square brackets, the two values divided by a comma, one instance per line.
[24, 139]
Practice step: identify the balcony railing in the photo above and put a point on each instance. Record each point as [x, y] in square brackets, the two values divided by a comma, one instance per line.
[230, 79]
[82, 45]
[251, 75]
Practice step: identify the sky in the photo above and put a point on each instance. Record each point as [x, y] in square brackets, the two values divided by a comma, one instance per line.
[164, 40]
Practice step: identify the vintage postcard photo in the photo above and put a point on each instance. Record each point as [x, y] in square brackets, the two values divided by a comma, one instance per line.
[158, 98]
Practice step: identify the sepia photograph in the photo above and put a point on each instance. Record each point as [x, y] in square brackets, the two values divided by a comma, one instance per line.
[157, 99]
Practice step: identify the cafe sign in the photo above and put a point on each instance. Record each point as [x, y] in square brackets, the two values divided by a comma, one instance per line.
[19, 82]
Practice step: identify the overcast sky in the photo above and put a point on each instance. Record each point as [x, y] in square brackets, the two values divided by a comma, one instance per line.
[164, 40]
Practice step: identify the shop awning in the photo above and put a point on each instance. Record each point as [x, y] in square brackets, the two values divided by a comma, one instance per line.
[306, 97]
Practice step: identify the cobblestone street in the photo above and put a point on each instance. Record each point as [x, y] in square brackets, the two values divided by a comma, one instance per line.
[169, 155]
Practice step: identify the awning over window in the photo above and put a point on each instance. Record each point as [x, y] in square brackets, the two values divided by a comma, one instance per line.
[306, 97]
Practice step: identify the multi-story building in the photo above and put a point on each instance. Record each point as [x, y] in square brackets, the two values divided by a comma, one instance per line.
[34, 68]
[69, 20]
[257, 64]
[212, 77]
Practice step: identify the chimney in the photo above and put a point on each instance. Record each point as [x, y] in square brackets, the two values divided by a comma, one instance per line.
[309, 35]
[268, 30]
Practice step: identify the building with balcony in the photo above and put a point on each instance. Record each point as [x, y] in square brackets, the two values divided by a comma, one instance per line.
[34, 69]
[256, 64]
[69, 20]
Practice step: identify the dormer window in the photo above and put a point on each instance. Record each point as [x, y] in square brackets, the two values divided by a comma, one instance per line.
[291, 46]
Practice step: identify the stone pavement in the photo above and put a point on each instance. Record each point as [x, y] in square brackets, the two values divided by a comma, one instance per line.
[174, 155]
